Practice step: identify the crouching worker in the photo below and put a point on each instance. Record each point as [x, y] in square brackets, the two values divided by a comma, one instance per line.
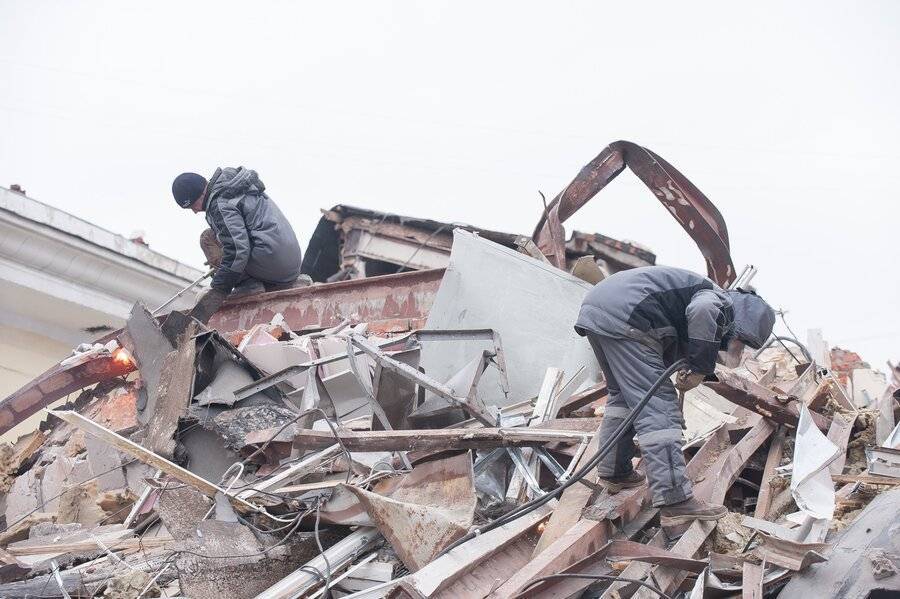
[638, 323]
[250, 243]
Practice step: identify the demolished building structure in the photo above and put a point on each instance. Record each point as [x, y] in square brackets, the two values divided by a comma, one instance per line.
[373, 434]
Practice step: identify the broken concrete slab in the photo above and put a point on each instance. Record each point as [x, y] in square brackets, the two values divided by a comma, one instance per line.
[172, 396]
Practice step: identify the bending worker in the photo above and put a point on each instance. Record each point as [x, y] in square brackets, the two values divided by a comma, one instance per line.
[250, 243]
[639, 322]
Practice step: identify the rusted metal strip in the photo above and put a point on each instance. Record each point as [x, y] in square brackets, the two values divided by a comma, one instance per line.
[757, 398]
[406, 295]
[450, 439]
[56, 383]
[630, 551]
[667, 578]
[687, 204]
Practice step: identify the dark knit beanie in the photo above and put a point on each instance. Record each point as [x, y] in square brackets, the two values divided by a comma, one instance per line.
[187, 187]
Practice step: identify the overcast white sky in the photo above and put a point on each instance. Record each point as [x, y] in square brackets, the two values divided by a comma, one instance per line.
[784, 114]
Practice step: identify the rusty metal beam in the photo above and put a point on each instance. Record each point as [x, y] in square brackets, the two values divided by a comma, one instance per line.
[55, 384]
[755, 397]
[687, 204]
[406, 295]
[387, 303]
[447, 439]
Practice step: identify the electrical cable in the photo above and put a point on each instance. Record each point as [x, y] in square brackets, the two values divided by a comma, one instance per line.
[656, 590]
[592, 463]
[327, 593]
[781, 339]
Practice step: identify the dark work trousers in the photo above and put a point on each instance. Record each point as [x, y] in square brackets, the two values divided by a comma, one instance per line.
[212, 249]
[631, 368]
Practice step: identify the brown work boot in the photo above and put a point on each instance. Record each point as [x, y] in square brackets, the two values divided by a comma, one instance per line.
[614, 484]
[689, 510]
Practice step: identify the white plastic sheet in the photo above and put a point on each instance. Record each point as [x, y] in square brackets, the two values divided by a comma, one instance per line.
[811, 484]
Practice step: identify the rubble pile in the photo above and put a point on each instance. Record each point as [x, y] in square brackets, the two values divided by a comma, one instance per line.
[416, 423]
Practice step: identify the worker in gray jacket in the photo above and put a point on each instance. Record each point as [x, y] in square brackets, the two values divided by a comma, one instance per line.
[250, 243]
[638, 323]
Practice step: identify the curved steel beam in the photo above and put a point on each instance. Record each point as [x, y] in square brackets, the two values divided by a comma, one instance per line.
[693, 210]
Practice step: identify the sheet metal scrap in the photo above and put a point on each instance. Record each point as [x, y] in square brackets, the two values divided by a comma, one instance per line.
[693, 211]
[433, 506]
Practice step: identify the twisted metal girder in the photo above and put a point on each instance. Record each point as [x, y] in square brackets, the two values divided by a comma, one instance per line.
[693, 210]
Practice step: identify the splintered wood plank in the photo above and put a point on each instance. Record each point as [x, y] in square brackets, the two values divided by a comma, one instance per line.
[90, 545]
[773, 460]
[867, 479]
[752, 581]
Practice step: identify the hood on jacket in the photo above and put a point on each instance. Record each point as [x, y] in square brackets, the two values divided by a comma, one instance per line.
[233, 182]
[753, 318]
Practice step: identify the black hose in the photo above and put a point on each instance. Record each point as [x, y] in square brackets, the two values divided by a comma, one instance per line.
[781, 339]
[592, 463]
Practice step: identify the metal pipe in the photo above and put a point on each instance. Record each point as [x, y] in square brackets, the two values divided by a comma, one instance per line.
[182, 292]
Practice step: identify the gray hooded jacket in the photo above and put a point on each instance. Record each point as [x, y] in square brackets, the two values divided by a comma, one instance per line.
[677, 312]
[257, 240]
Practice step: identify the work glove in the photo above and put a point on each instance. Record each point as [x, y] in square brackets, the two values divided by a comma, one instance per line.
[208, 305]
[686, 380]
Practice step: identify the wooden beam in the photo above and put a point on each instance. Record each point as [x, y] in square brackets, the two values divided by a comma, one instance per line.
[773, 460]
[757, 398]
[91, 545]
[866, 479]
[437, 439]
[148, 457]
[752, 581]
[581, 399]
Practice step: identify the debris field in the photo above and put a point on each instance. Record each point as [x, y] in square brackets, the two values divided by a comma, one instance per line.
[420, 421]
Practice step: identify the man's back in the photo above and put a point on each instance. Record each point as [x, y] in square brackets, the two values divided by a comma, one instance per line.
[256, 237]
[650, 299]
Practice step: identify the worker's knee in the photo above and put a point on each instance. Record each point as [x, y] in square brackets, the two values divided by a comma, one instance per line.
[211, 247]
